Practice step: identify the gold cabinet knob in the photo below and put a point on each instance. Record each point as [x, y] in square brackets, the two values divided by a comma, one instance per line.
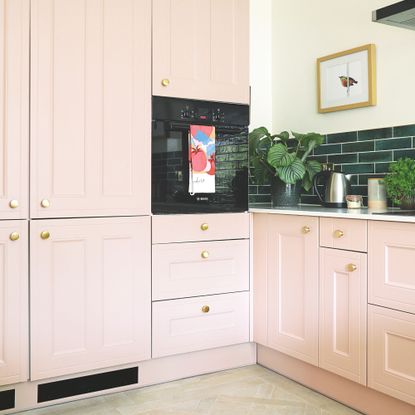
[14, 204]
[45, 235]
[205, 309]
[338, 234]
[351, 267]
[306, 229]
[45, 203]
[14, 236]
[204, 226]
[165, 82]
[205, 254]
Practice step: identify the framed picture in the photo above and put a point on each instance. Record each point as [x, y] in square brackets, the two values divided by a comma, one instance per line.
[347, 79]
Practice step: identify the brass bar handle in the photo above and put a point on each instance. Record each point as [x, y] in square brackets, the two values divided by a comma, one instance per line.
[205, 254]
[14, 236]
[204, 226]
[351, 267]
[306, 229]
[205, 309]
[45, 203]
[338, 234]
[45, 235]
[14, 204]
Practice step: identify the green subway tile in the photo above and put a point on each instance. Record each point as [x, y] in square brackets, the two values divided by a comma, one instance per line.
[321, 159]
[342, 158]
[328, 149]
[363, 178]
[359, 190]
[394, 143]
[404, 130]
[358, 168]
[376, 156]
[359, 146]
[398, 154]
[342, 137]
[374, 134]
[382, 167]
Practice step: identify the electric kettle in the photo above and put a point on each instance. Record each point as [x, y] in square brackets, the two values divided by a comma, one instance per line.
[336, 186]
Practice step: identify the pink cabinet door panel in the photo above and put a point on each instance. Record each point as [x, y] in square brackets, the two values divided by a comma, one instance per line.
[14, 108]
[91, 108]
[292, 286]
[348, 234]
[203, 268]
[204, 227]
[343, 312]
[14, 313]
[186, 325]
[391, 351]
[391, 264]
[201, 48]
[91, 294]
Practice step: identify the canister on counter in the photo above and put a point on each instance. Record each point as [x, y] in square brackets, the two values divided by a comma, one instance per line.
[376, 193]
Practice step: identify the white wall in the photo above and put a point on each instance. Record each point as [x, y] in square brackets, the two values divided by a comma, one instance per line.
[261, 63]
[304, 30]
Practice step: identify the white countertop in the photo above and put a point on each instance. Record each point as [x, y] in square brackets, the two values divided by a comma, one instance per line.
[316, 210]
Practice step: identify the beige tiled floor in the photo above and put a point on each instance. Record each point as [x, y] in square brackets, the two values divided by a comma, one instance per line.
[251, 390]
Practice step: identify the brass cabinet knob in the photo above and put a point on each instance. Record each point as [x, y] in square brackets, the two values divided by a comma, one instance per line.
[338, 234]
[165, 82]
[306, 229]
[205, 309]
[204, 226]
[351, 267]
[45, 203]
[205, 254]
[14, 204]
[14, 236]
[45, 235]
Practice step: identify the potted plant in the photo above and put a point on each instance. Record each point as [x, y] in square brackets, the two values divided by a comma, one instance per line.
[282, 161]
[400, 183]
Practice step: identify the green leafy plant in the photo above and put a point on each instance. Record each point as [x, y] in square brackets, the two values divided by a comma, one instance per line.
[280, 156]
[400, 181]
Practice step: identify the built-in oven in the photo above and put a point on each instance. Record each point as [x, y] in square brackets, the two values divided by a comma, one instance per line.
[225, 168]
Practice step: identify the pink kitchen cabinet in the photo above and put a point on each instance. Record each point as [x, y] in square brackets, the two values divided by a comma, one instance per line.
[286, 274]
[14, 280]
[90, 294]
[14, 108]
[343, 313]
[91, 108]
[201, 49]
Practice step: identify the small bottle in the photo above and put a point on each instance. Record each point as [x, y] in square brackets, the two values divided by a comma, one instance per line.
[376, 192]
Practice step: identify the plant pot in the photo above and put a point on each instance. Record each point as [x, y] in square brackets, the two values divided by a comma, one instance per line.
[283, 194]
[408, 203]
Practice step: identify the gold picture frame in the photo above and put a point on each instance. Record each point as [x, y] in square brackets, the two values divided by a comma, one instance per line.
[347, 79]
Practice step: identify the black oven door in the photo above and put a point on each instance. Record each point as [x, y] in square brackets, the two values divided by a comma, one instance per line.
[170, 171]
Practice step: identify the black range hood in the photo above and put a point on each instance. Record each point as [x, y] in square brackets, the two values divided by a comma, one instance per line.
[401, 14]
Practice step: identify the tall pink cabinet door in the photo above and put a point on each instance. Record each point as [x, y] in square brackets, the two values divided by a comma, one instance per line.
[91, 108]
[292, 286]
[14, 327]
[90, 294]
[14, 108]
[343, 312]
[201, 49]
[391, 264]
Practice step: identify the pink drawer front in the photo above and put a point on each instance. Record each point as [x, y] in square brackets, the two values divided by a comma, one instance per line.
[348, 234]
[204, 227]
[182, 326]
[201, 268]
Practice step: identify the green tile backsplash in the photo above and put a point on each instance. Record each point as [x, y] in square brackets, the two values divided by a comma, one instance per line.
[364, 154]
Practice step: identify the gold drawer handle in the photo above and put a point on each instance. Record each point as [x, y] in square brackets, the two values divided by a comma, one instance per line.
[45, 235]
[14, 236]
[205, 254]
[306, 229]
[351, 267]
[205, 309]
[204, 226]
[14, 204]
[338, 234]
[165, 82]
[45, 203]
